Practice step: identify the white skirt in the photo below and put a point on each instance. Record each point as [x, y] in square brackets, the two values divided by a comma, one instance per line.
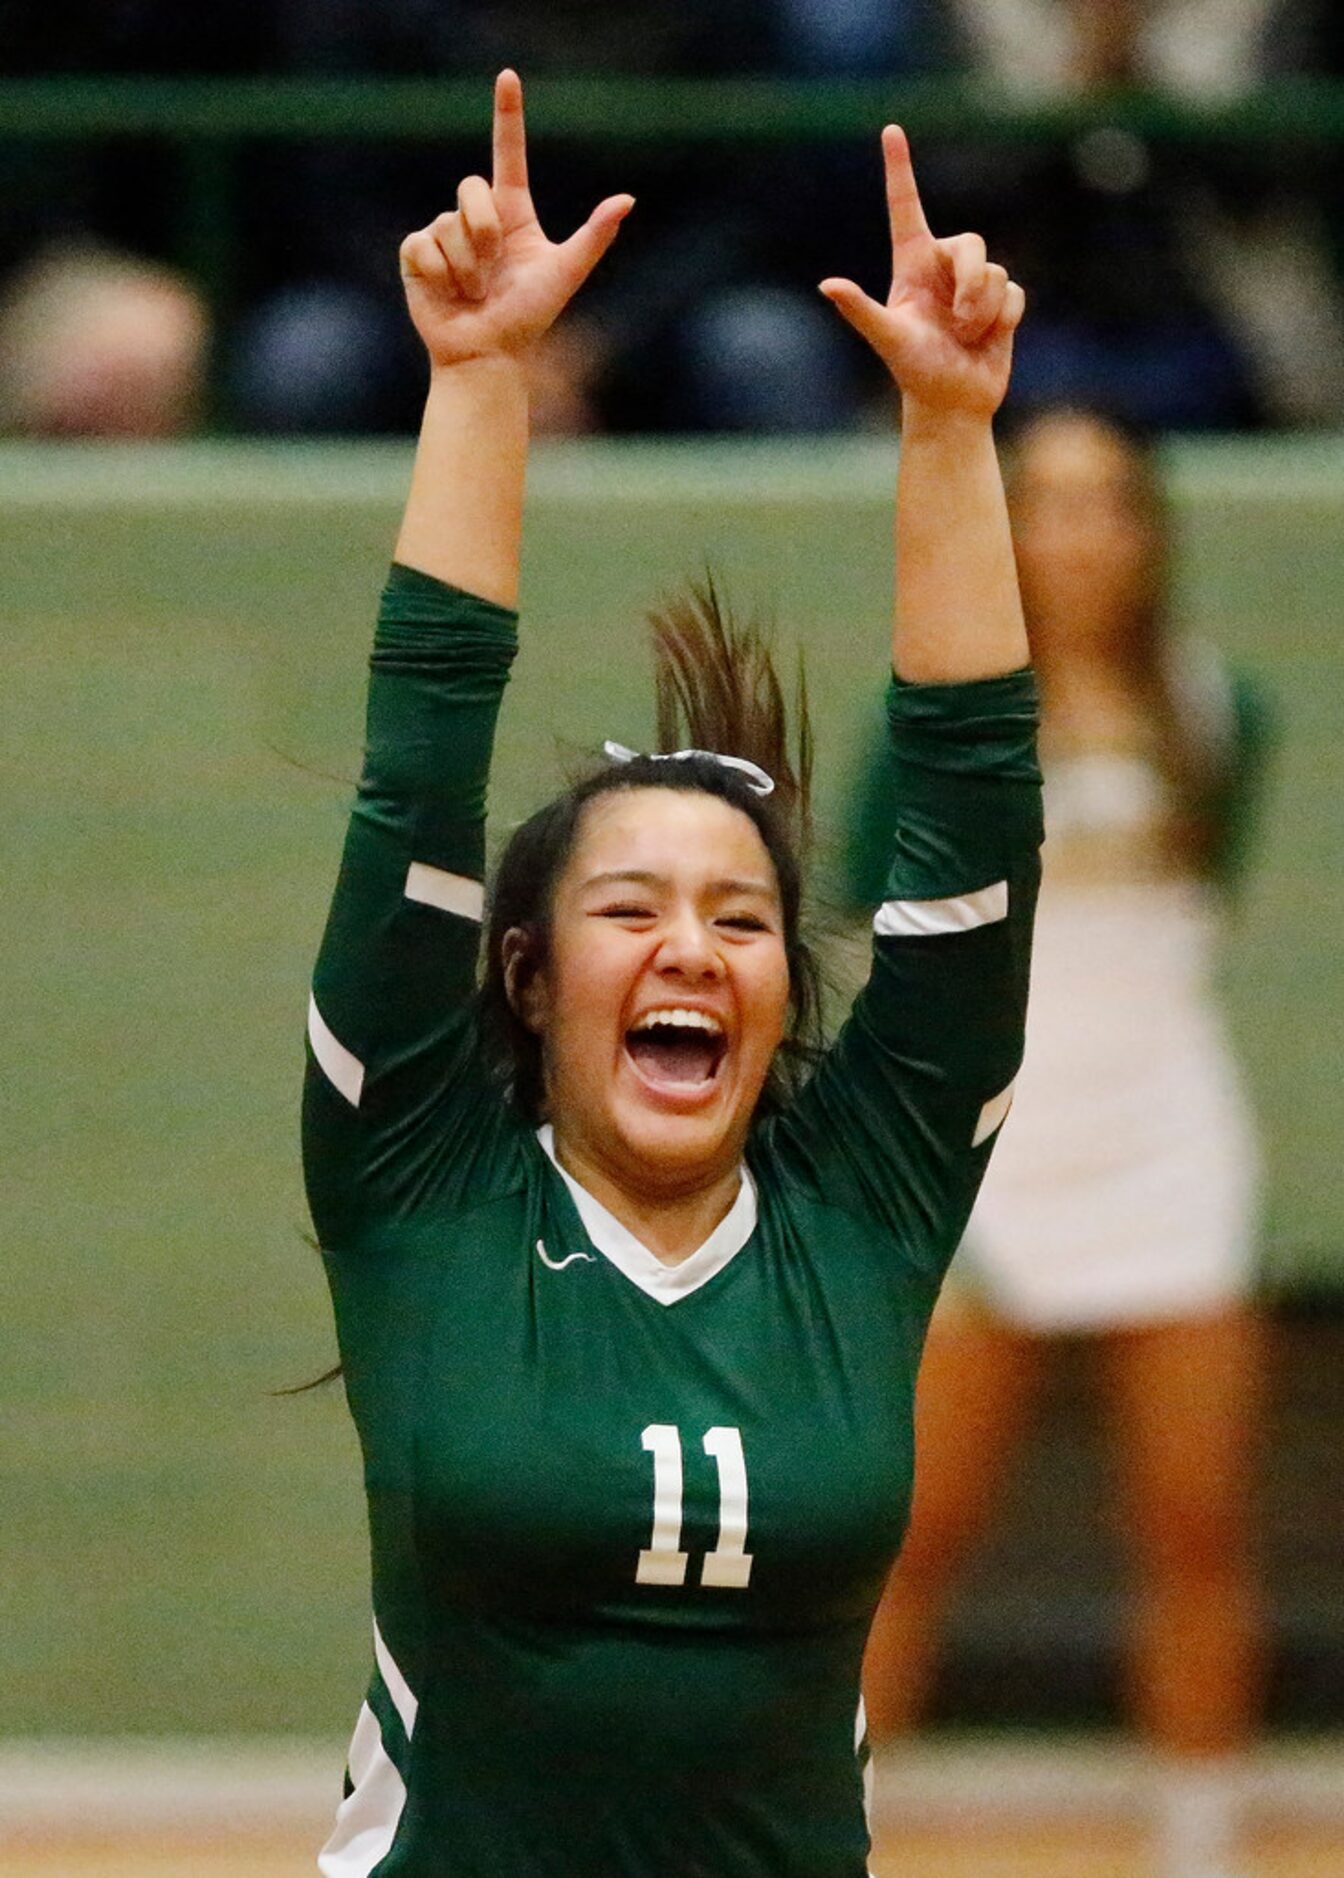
[1122, 1189]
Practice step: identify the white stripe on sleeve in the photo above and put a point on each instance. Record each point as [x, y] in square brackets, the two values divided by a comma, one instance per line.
[451, 893]
[909, 919]
[342, 1069]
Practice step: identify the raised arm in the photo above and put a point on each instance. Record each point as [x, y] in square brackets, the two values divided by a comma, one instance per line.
[483, 284]
[945, 333]
[898, 1121]
[391, 1068]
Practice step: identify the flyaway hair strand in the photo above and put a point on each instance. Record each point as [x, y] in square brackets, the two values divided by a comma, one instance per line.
[716, 688]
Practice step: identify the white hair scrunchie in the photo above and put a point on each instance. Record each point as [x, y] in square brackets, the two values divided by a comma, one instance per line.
[757, 780]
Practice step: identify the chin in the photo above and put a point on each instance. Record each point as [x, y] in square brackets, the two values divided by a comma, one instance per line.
[680, 1146]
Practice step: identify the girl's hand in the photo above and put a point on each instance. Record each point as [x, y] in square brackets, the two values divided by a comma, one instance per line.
[483, 279]
[946, 331]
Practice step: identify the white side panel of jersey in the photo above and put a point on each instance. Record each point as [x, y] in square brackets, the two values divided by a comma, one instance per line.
[864, 1754]
[403, 1700]
[992, 1115]
[367, 1819]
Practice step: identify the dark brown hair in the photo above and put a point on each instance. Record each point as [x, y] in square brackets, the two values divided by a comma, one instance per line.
[716, 690]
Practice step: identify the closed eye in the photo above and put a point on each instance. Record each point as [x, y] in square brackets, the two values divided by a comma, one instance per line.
[745, 922]
[623, 911]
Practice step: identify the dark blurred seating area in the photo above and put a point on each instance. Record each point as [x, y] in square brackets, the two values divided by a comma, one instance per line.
[1180, 284]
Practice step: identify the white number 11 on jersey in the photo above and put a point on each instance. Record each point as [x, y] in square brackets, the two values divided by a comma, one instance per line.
[663, 1562]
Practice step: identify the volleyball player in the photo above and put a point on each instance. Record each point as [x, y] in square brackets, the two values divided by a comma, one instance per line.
[630, 1296]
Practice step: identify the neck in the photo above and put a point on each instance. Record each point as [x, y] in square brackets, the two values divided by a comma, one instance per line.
[672, 1223]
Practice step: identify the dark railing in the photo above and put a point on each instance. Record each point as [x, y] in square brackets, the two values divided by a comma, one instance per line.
[642, 110]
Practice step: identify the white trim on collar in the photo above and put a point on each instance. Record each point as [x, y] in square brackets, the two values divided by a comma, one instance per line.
[663, 1283]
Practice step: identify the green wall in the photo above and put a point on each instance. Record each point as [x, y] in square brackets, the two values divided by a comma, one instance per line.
[184, 633]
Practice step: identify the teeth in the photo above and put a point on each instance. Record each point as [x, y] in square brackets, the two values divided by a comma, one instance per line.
[677, 1018]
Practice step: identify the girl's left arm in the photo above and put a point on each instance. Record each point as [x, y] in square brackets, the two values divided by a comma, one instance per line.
[898, 1122]
[945, 333]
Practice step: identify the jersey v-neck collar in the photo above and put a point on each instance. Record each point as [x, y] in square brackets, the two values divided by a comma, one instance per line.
[631, 1257]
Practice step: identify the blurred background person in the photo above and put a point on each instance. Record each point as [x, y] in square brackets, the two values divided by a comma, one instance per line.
[1120, 1205]
[94, 343]
[102, 333]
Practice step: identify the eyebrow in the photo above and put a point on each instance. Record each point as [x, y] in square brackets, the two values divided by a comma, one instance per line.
[644, 877]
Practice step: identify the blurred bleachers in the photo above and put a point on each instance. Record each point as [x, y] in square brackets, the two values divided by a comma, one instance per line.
[1181, 247]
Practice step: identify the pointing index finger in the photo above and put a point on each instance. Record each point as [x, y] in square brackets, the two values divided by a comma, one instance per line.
[510, 136]
[904, 208]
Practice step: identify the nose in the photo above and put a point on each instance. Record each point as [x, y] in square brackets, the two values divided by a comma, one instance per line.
[687, 948]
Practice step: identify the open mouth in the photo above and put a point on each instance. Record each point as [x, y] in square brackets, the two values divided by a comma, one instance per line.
[677, 1048]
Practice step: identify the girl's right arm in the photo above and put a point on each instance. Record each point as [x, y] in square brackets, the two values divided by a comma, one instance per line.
[483, 284]
[389, 1041]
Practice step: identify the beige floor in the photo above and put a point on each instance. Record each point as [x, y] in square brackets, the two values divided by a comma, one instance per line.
[1080, 1852]
[1037, 1852]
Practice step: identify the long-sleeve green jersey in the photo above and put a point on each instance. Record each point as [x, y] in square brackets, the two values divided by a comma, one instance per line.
[628, 1521]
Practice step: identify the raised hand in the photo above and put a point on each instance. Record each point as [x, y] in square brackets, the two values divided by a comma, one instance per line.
[946, 330]
[483, 279]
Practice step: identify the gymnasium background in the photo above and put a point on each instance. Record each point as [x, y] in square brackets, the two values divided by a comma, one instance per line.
[183, 1608]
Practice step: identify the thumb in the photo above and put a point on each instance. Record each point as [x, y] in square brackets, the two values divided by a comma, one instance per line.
[587, 245]
[867, 316]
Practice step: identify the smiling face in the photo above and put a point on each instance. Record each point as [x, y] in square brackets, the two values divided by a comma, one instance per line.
[664, 994]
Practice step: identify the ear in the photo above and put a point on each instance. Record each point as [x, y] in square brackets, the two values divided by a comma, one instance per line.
[524, 981]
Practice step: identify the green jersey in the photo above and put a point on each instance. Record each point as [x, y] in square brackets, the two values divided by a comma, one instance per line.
[629, 1522]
